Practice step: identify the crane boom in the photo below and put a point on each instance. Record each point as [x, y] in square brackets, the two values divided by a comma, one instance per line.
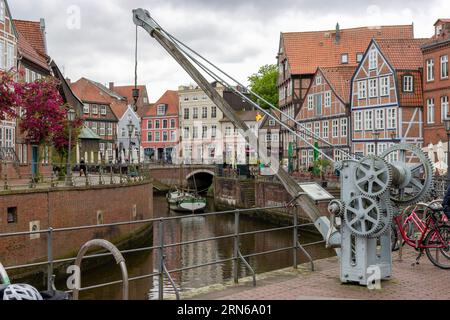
[143, 19]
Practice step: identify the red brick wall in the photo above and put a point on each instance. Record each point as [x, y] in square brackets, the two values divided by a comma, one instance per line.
[70, 208]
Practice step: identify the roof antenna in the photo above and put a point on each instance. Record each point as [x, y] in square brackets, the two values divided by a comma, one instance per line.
[136, 90]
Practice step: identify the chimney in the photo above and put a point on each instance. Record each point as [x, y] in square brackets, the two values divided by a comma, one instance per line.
[111, 86]
[338, 33]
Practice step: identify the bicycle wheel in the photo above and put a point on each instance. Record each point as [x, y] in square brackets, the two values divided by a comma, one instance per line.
[440, 257]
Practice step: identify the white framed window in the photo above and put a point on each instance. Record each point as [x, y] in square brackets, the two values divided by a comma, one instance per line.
[379, 119]
[110, 129]
[430, 70]
[373, 88]
[2, 55]
[444, 67]
[344, 127]
[325, 129]
[186, 114]
[9, 56]
[172, 123]
[172, 136]
[373, 59]
[408, 84]
[368, 120]
[204, 132]
[103, 110]
[304, 159]
[344, 58]
[157, 136]
[149, 136]
[337, 155]
[213, 131]
[382, 147]
[102, 146]
[359, 57]
[161, 110]
[195, 113]
[186, 133]
[318, 80]
[102, 128]
[214, 112]
[195, 132]
[327, 99]
[86, 108]
[310, 102]
[358, 120]
[362, 89]
[94, 109]
[2, 10]
[94, 127]
[430, 111]
[335, 128]
[228, 132]
[204, 112]
[385, 86]
[444, 107]
[317, 129]
[157, 124]
[370, 149]
[392, 118]
[272, 123]
[309, 130]
[165, 136]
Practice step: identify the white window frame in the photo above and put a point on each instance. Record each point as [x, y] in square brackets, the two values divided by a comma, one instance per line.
[213, 131]
[430, 70]
[195, 113]
[86, 108]
[102, 129]
[325, 129]
[362, 89]
[318, 80]
[103, 110]
[317, 129]
[408, 83]
[370, 149]
[379, 119]
[373, 88]
[204, 132]
[213, 112]
[344, 58]
[2, 11]
[10, 56]
[310, 102]
[344, 127]
[373, 59]
[430, 111]
[335, 129]
[368, 121]
[358, 120]
[205, 113]
[327, 99]
[444, 66]
[2, 55]
[161, 110]
[444, 107]
[391, 118]
[94, 109]
[187, 133]
[385, 86]
[109, 129]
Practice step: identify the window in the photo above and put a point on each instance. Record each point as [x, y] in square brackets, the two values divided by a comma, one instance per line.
[9, 137]
[373, 88]
[444, 67]
[317, 129]
[157, 124]
[2, 10]
[195, 113]
[368, 117]
[430, 111]
[110, 129]
[392, 118]
[379, 119]
[149, 136]
[186, 133]
[9, 56]
[149, 124]
[172, 136]
[27, 75]
[94, 127]
[382, 147]
[172, 123]
[373, 59]
[362, 89]
[328, 99]
[213, 131]
[165, 124]
[204, 132]
[195, 132]
[161, 110]
[444, 107]
[310, 102]
[344, 58]
[384, 86]
[370, 149]
[145, 100]
[204, 112]
[408, 84]
[358, 120]
[102, 146]
[213, 112]
[186, 98]
[318, 103]
[335, 128]
[103, 110]
[186, 114]
[12, 212]
[2, 55]
[325, 129]
[272, 123]
[195, 98]
[102, 129]
[344, 127]
[430, 70]
[165, 136]
[86, 108]
[268, 137]
[94, 109]
[359, 57]
[319, 80]
[228, 132]
[309, 130]
[157, 136]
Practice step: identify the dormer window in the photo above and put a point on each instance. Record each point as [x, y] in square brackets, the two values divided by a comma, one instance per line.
[344, 58]
[408, 83]
[438, 30]
[161, 111]
[359, 57]
[318, 80]
[373, 61]
[271, 123]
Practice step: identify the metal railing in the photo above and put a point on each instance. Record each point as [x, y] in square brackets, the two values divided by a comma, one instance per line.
[161, 247]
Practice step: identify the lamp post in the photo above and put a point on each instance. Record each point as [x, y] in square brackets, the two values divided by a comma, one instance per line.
[70, 117]
[130, 127]
[447, 128]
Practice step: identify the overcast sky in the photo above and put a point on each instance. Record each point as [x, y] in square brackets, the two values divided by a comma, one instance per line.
[238, 35]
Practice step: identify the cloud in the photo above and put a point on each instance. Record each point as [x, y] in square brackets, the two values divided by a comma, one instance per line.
[237, 35]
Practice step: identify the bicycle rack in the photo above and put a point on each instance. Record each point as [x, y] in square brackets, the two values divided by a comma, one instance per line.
[117, 256]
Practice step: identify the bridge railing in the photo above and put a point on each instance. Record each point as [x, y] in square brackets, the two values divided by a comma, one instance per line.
[160, 247]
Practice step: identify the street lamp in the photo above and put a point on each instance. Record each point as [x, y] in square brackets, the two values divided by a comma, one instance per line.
[70, 117]
[447, 128]
[130, 127]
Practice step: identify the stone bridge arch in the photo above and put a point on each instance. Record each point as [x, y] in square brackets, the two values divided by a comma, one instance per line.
[202, 179]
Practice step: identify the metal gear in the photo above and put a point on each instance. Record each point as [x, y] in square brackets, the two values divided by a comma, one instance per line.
[385, 221]
[362, 215]
[417, 179]
[373, 176]
[336, 207]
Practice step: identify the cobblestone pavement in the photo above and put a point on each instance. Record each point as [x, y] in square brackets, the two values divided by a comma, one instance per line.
[423, 281]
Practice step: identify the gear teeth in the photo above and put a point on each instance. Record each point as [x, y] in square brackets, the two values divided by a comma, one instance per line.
[386, 220]
[386, 169]
[348, 212]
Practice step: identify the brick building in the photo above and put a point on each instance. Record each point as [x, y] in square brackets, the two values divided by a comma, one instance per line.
[386, 96]
[436, 85]
[160, 127]
[325, 112]
[301, 53]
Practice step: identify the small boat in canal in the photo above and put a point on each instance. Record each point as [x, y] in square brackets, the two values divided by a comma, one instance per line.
[185, 201]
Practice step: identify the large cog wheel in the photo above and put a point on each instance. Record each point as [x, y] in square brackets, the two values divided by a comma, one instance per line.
[362, 215]
[385, 221]
[417, 176]
[373, 176]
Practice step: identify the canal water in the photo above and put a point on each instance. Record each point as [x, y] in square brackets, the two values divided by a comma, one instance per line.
[176, 231]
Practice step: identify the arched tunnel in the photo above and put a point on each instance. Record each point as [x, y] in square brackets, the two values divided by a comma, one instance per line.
[200, 181]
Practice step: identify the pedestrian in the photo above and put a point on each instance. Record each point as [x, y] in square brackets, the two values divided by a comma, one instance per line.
[83, 168]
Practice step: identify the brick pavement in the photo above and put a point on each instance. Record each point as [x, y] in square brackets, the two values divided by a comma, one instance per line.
[424, 281]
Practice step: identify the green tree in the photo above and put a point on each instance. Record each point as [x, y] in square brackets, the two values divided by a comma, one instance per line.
[264, 83]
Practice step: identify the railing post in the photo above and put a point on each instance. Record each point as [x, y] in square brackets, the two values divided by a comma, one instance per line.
[161, 260]
[295, 240]
[236, 247]
[86, 176]
[111, 173]
[50, 259]
[100, 178]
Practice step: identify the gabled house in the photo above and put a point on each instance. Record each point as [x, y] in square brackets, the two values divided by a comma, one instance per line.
[301, 53]
[326, 113]
[269, 136]
[127, 93]
[386, 96]
[128, 120]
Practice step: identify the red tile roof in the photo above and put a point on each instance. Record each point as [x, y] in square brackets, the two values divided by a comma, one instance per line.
[119, 108]
[413, 99]
[340, 79]
[308, 50]
[442, 20]
[32, 42]
[170, 98]
[403, 54]
[86, 91]
[127, 91]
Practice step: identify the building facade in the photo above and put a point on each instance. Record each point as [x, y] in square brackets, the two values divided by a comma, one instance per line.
[436, 86]
[326, 113]
[160, 129]
[386, 100]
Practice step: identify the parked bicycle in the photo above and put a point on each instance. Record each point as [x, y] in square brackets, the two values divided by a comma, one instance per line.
[425, 228]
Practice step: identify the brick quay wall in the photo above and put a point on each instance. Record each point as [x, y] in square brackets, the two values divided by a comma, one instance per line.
[65, 208]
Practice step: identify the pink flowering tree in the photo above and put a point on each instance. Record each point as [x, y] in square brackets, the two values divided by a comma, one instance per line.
[10, 95]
